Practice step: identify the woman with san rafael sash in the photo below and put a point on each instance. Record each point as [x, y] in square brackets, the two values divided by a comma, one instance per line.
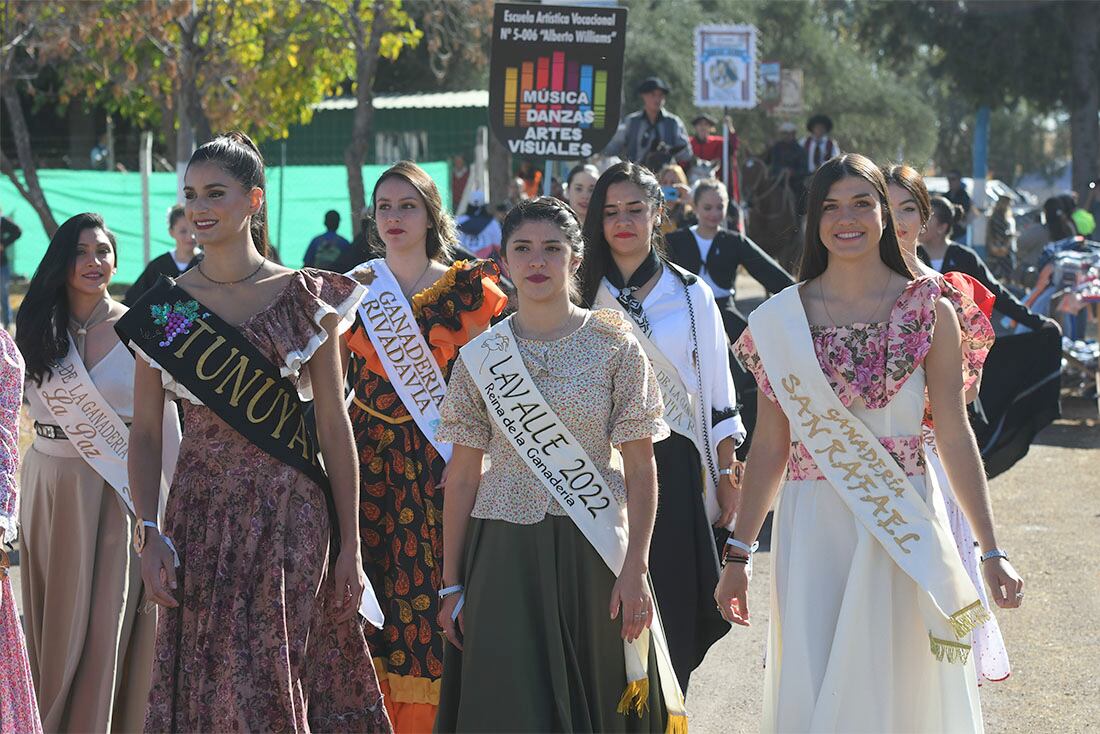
[89, 645]
[416, 313]
[256, 566]
[546, 550]
[871, 609]
[677, 321]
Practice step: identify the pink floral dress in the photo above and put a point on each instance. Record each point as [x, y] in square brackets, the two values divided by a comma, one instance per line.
[254, 645]
[18, 707]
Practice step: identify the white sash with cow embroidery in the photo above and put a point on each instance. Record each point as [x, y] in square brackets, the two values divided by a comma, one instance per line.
[865, 475]
[97, 433]
[402, 349]
[556, 458]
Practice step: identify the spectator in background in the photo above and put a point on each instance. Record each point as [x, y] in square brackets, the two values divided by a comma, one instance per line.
[1083, 220]
[9, 233]
[706, 146]
[460, 174]
[677, 193]
[651, 129]
[171, 264]
[478, 230]
[1001, 240]
[818, 145]
[578, 188]
[359, 251]
[786, 154]
[531, 177]
[325, 249]
[957, 194]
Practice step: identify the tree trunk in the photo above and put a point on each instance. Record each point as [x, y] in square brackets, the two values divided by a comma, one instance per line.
[1085, 102]
[366, 64]
[32, 192]
[500, 170]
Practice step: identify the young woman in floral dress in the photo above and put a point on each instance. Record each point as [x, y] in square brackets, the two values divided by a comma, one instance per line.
[258, 629]
[402, 472]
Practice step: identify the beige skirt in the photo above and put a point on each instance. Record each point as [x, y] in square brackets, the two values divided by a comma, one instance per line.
[90, 649]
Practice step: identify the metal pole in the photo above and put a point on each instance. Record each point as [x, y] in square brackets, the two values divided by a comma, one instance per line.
[282, 188]
[726, 151]
[146, 165]
[546, 178]
[980, 173]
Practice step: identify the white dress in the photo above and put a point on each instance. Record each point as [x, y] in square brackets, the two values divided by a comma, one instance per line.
[848, 649]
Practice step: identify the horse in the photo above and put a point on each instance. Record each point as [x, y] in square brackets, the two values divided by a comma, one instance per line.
[773, 222]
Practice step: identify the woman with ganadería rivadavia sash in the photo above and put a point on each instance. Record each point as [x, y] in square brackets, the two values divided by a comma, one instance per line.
[872, 610]
[677, 321]
[257, 566]
[547, 602]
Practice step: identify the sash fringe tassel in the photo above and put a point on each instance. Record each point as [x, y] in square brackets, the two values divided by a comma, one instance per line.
[948, 651]
[969, 618]
[677, 724]
[635, 697]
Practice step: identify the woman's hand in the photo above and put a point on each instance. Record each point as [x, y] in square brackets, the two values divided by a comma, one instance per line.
[1006, 584]
[442, 483]
[452, 627]
[631, 595]
[158, 569]
[350, 582]
[729, 494]
[732, 594]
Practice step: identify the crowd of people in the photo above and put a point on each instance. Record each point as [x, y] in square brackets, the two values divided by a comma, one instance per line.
[452, 492]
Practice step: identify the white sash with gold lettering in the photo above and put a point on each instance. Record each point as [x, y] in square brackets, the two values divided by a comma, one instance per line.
[865, 475]
[96, 432]
[404, 352]
[555, 457]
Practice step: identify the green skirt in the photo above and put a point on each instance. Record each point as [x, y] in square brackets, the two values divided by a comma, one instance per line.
[541, 652]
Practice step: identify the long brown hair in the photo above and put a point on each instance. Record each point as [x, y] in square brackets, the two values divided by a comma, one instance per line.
[815, 256]
[441, 236]
[909, 179]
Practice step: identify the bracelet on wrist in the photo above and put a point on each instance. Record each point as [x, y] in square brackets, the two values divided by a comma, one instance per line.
[994, 553]
[449, 590]
[732, 542]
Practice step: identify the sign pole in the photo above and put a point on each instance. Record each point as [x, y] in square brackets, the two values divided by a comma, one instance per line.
[546, 176]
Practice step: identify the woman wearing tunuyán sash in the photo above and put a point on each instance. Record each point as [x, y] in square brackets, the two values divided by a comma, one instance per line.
[912, 208]
[546, 600]
[677, 321]
[90, 645]
[415, 315]
[258, 629]
[871, 609]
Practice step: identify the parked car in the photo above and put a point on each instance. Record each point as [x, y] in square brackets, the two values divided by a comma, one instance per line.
[1024, 204]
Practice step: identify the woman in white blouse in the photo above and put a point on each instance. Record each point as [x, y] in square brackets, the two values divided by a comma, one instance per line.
[681, 330]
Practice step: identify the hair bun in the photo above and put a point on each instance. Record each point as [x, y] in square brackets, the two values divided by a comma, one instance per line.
[241, 138]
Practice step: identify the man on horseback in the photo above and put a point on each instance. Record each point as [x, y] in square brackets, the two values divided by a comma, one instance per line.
[786, 155]
[651, 132]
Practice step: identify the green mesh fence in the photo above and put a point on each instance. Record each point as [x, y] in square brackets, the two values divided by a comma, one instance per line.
[297, 199]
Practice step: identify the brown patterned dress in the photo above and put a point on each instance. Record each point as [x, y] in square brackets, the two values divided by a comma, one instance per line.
[254, 645]
[401, 510]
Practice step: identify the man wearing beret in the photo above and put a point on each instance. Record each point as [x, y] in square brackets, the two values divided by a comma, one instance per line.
[651, 129]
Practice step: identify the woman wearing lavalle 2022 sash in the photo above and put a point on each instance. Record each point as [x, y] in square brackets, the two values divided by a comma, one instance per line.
[973, 302]
[677, 321]
[416, 313]
[90, 645]
[547, 602]
[258, 625]
[872, 608]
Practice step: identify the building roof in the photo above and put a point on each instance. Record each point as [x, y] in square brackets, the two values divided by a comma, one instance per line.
[429, 100]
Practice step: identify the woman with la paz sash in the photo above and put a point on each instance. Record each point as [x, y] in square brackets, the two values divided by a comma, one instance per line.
[911, 208]
[415, 314]
[543, 635]
[256, 565]
[871, 608]
[90, 644]
[677, 321]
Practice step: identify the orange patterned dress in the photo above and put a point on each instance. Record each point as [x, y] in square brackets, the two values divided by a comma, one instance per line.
[400, 507]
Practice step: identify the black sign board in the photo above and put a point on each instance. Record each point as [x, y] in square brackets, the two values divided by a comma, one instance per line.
[555, 78]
